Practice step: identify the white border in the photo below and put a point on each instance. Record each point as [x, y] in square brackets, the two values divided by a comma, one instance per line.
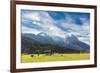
[20, 65]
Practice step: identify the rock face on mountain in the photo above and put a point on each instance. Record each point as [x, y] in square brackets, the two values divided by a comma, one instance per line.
[42, 41]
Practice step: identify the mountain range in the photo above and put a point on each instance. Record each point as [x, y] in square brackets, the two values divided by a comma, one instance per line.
[43, 41]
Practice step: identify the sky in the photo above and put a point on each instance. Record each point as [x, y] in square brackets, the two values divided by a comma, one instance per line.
[57, 23]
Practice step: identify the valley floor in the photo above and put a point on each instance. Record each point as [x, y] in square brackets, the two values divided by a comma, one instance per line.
[56, 57]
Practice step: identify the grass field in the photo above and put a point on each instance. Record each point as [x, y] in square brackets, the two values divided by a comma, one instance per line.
[55, 57]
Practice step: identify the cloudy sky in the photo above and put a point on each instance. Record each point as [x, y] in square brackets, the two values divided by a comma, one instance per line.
[56, 23]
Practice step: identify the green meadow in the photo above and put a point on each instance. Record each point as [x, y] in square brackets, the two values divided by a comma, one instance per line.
[55, 57]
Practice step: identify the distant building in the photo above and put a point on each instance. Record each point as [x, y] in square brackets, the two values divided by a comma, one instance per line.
[48, 52]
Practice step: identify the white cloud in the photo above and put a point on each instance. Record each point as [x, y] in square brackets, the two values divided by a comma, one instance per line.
[78, 30]
[48, 25]
[30, 30]
[83, 31]
[31, 15]
[42, 19]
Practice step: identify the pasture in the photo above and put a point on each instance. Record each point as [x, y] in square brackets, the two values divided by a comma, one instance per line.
[29, 58]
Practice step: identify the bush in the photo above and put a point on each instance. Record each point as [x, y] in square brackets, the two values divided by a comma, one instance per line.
[31, 55]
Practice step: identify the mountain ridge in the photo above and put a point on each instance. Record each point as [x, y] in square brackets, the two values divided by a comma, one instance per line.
[71, 42]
